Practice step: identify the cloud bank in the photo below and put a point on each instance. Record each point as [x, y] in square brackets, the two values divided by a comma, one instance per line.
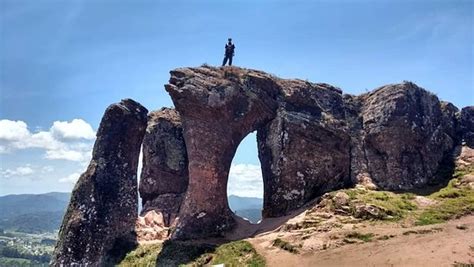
[71, 141]
[245, 180]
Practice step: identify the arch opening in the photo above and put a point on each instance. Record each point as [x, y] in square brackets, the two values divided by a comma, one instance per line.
[245, 182]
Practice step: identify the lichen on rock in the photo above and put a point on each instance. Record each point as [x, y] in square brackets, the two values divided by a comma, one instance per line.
[103, 206]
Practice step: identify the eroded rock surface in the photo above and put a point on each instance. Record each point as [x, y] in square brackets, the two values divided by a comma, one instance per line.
[404, 137]
[311, 139]
[219, 107]
[304, 150]
[103, 206]
[164, 177]
[467, 125]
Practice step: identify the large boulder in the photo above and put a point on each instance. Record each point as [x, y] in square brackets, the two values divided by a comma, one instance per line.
[467, 125]
[103, 206]
[305, 150]
[405, 136]
[164, 176]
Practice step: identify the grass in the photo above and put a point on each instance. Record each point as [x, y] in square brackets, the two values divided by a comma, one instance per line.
[238, 253]
[453, 202]
[174, 253]
[144, 255]
[364, 237]
[392, 206]
[280, 243]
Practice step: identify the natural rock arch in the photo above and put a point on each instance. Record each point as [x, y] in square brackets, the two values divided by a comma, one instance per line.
[217, 114]
[311, 139]
[219, 107]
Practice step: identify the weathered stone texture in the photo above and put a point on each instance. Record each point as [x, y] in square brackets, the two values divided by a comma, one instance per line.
[311, 139]
[467, 125]
[103, 206]
[219, 107]
[406, 134]
[164, 177]
[304, 151]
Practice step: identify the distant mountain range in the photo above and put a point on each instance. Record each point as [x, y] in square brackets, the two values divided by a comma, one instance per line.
[247, 207]
[40, 213]
[31, 213]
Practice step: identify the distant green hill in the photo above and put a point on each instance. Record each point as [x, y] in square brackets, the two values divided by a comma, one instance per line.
[32, 213]
[40, 213]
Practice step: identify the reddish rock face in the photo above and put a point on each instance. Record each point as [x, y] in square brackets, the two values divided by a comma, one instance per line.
[311, 139]
[103, 206]
[219, 107]
[164, 177]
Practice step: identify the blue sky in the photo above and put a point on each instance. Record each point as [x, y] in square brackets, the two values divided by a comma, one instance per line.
[66, 60]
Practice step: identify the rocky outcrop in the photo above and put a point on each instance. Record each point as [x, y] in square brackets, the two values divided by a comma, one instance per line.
[467, 125]
[103, 206]
[164, 176]
[311, 139]
[218, 107]
[403, 136]
[304, 150]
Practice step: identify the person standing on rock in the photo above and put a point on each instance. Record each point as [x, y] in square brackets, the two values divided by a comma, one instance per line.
[229, 52]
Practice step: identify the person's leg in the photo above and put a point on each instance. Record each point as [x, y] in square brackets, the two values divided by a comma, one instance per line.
[225, 61]
[230, 61]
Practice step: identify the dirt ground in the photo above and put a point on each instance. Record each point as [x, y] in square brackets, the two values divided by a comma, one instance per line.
[431, 245]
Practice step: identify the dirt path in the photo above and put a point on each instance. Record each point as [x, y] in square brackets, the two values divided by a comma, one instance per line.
[439, 245]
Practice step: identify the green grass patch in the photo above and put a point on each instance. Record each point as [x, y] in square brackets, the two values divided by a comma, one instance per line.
[144, 255]
[392, 206]
[280, 243]
[364, 237]
[453, 202]
[238, 253]
[176, 253]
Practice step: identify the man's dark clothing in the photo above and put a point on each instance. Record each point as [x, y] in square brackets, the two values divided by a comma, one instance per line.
[229, 53]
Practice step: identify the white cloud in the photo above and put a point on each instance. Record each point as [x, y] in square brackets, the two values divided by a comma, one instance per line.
[76, 129]
[47, 169]
[13, 130]
[72, 178]
[245, 180]
[64, 140]
[19, 171]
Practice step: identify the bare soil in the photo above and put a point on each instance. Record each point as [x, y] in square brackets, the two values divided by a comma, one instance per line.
[392, 244]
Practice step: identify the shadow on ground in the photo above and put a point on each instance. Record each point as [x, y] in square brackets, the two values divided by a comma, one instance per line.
[175, 253]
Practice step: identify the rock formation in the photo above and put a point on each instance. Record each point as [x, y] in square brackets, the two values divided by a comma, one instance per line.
[467, 125]
[164, 177]
[311, 139]
[404, 133]
[218, 108]
[103, 206]
[304, 150]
